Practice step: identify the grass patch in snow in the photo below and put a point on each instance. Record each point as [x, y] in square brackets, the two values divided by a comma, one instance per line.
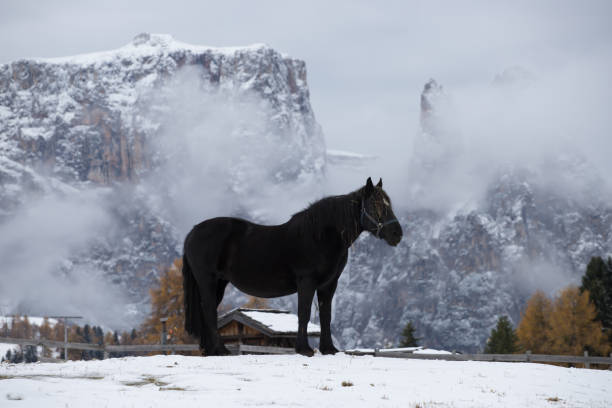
[70, 377]
[146, 379]
[172, 389]
[553, 399]
[347, 384]
[13, 397]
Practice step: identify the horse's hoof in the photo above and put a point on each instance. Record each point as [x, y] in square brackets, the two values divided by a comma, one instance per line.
[328, 350]
[223, 351]
[308, 352]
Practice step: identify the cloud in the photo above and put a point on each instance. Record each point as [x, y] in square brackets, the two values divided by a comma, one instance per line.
[219, 154]
[35, 245]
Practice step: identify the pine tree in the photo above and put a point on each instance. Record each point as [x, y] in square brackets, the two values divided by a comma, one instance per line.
[573, 327]
[408, 337]
[30, 355]
[598, 281]
[533, 329]
[503, 338]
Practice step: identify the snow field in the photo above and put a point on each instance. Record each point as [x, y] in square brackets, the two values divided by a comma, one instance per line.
[291, 380]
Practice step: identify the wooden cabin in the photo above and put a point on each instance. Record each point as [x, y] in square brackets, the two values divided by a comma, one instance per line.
[262, 327]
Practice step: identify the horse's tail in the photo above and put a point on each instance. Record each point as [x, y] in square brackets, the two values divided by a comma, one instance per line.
[193, 300]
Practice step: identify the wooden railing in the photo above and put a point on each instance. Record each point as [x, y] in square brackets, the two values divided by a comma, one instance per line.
[143, 348]
[250, 349]
[526, 357]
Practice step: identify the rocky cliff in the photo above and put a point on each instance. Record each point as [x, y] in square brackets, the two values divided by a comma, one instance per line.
[94, 122]
[146, 124]
[459, 268]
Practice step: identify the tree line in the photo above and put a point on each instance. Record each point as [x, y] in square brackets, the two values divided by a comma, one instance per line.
[578, 319]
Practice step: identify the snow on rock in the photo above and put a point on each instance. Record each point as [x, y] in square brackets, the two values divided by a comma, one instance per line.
[457, 270]
[95, 121]
[349, 159]
[239, 381]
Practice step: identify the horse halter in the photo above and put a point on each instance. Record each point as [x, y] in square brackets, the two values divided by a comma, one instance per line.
[379, 225]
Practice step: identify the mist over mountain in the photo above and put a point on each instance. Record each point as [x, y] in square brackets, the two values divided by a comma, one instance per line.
[119, 153]
[108, 159]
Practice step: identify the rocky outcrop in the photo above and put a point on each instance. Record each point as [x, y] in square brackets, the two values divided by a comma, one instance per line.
[69, 125]
[93, 122]
[458, 269]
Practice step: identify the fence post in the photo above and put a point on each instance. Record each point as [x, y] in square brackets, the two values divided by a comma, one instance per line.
[528, 355]
[376, 352]
[610, 366]
[65, 340]
[586, 363]
[163, 321]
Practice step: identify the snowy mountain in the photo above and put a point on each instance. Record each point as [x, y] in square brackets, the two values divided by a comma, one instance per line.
[460, 267]
[108, 159]
[123, 138]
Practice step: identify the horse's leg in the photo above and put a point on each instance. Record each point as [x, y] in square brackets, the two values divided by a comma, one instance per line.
[221, 284]
[212, 344]
[324, 297]
[306, 290]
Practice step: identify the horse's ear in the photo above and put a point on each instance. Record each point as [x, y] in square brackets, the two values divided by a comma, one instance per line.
[369, 187]
[379, 183]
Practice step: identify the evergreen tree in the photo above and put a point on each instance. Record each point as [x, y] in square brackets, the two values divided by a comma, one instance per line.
[598, 281]
[533, 329]
[503, 338]
[30, 355]
[86, 354]
[408, 337]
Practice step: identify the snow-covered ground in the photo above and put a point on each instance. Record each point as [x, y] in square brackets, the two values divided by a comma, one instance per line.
[290, 380]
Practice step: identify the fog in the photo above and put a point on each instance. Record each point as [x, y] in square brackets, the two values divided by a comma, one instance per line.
[220, 155]
[553, 126]
[367, 64]
[35, 245]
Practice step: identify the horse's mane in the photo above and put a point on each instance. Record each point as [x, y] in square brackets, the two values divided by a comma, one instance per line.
[334, 211]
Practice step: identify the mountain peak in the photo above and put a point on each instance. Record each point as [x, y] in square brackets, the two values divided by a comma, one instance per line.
[161, 40]
[147, 44]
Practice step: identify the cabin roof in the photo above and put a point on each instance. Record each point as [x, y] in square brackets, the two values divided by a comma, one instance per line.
[271, 322]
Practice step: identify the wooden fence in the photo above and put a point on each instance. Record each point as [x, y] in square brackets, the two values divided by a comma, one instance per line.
[525, 358]
[248, 349]
[143, 348]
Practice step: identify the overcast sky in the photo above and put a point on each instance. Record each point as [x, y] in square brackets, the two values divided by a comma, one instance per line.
[367, 61]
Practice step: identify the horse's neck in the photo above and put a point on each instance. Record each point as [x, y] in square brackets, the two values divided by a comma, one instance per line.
[354, 229]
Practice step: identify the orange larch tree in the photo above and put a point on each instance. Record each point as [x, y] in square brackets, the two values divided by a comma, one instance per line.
[533, 329]
[573, 328]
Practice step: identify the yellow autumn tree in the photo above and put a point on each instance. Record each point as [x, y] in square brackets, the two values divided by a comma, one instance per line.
[46, 332]
[255, 302]
[533, 329]
[573, 328]
[167, 302]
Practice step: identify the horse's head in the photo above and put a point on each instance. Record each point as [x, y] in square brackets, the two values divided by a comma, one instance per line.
[377, 215]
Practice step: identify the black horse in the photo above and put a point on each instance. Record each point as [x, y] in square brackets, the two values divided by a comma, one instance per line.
[305, 254]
